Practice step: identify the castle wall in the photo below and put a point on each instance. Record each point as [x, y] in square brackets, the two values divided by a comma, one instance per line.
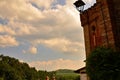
[99, 27]
[114, 7]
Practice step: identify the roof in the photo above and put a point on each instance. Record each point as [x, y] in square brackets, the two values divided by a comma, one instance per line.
[78, 71]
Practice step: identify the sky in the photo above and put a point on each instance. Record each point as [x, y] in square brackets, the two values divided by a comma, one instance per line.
[46, 34]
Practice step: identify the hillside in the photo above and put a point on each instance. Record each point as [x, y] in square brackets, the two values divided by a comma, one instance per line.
[65, 71]
[67, 74]
[12, 69]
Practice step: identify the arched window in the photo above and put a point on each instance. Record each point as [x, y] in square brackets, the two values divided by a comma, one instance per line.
[93, 28]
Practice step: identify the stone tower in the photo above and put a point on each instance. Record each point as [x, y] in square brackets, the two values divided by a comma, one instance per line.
[101, 24]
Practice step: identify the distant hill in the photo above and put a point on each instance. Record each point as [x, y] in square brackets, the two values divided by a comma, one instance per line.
[66, 74]
[65, 71]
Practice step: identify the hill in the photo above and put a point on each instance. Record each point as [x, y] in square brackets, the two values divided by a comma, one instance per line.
[67, 74]
[65, 71]
[13, 69]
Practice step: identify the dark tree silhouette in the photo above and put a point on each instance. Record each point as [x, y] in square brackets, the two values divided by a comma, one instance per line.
[103, 64]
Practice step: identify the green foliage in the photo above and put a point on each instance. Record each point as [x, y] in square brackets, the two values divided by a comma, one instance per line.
[12, 69]
[65, 74]
[68, 76]
[103, 64]
[64, 71]
[43, 74]
[62, 74]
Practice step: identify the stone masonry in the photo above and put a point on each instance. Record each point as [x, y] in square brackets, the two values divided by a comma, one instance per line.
[101, 24]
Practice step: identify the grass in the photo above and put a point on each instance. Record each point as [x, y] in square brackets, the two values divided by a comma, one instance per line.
[67, 76]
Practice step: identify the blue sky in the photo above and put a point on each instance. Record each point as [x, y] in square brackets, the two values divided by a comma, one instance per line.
[44, 33]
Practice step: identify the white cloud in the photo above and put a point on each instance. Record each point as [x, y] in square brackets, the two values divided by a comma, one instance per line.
[20, 10]
[57, 64]
[57, 28]
[21, 29]
[7, 30]
[31, 50]
[22, 15]
[88, 1]
[17, 29]
[7, 41]
[62, 45]
[46, 3]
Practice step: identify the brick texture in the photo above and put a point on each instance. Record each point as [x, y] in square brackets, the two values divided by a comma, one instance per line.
[101, 24]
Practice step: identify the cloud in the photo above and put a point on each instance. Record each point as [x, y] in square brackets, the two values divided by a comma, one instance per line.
[45, 4]
[36, 22]
[20, 10]
[57, 64]
[6, 30]
[29, 23]
[63, 45]
[7, 41]
[31, 50]
[88, 1]
[21, 29]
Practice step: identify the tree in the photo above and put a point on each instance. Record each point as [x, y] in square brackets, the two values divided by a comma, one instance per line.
[12, 69]
[103, 64]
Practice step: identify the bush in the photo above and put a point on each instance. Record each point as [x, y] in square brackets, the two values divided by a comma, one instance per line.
[103, 64]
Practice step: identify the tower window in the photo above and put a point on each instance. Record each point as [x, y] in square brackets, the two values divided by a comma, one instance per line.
[93, 36]
[93, 28]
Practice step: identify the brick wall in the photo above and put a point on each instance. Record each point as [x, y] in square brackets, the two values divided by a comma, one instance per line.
[101, 25]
